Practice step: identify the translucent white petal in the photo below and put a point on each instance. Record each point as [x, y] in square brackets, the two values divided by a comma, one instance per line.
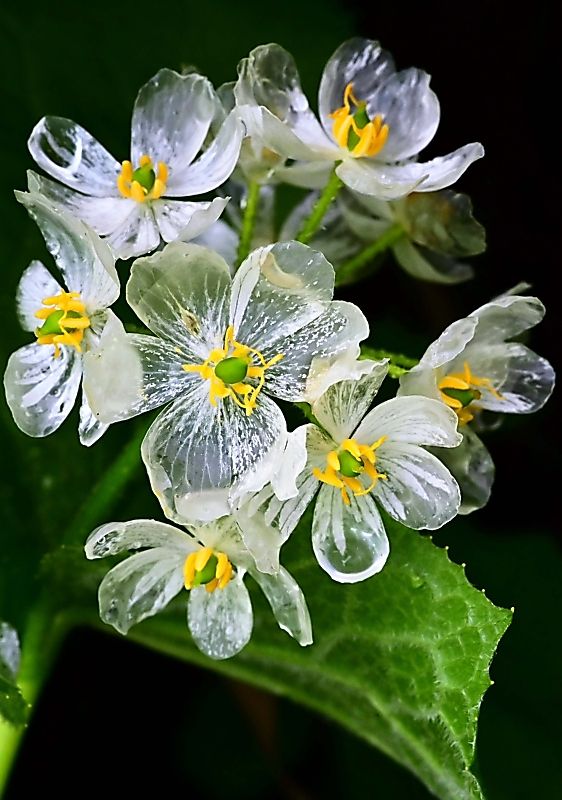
[137, 235]
[472, 467]
[171, 118]
[262, 541]
[428, 266]
[325, 372]
[290, 465]
[41, 389]
[414, 419]
[140, 587]
[35, 284]
[222, 239]
[340, 409]
[221, 621]
[505, 317]
[137, 534]
[180, 219]
[288, 604]
[337, 331]
[308, 175]
[349, 541]
[90, 429]
[182, 294]
[215, 164]
[225, 536]
[194, 451]
[277, 290]
[104, 214]
[409, 108]
[443, 171]
[419, 491]
[87, 264]
[359, 61]
[69, 153]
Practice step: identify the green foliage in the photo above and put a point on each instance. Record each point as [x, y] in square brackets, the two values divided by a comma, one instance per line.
[13, 707]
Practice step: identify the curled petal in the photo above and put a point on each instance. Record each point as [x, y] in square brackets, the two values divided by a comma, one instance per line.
[180, 219]
[90, 429]
[288, 604]
[137, 234]
[472, 467]
[114, 538]
[429, 266]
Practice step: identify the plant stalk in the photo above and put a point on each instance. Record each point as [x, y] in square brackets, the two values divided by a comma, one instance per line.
[248, 222]
[312, 223]
[349, 270]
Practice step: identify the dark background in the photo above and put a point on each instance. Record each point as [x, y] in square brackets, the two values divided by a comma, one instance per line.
[170, 728]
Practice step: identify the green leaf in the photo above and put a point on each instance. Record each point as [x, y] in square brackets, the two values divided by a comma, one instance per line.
[401, 660]
[13, 707]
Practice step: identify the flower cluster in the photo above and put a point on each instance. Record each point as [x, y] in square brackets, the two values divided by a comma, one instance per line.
[234, 321]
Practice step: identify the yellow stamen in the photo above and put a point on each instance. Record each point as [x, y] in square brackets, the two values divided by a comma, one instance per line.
[465, 381]
[133, 189]
[365, 454]
[245, 395]
[196, 562]
[354, 131]
[70, 328]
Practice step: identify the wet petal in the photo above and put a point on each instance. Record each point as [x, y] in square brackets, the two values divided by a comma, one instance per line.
[140, 587]
[428, 266]
[118, 537]
[288, 604]
[262, 541]
[472, 467]
[171, 118]
[138, 233]
[180, 219]
[505, 317]
[349, 542]
[221, 622]
[40, 389]
[35, 284]
[418, 491]
[416, 420]
[90, 429]
[222, 239]
[308, 175]
[69, 153]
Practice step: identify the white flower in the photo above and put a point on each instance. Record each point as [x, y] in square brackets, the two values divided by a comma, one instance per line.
[373, 120]
[473, 367]
[356, 462]
[42, 379]
[210, 561]
[135, 203]
[225, 346]
[437, 229]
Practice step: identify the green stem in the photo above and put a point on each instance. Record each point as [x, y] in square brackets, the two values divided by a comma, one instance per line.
[348, 271]
[311, 225]
[398, 364]
[248, 222]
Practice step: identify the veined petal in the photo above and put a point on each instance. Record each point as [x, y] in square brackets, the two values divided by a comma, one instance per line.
[505, 317]
[196, 454]
[278, 290]
[349, 542]
[35, 284]
[221, 622]
[104, 214]
[140, 587]
[41, 389]
[472, 467]
[87, 264]
[415, 420]
[362, 62]
[181, 219]
[443, 171]
[171, 118]
[325, 372]
[418, 491]
[214, 166]
[337, 331]
[69, 153]
[430, 266]
[291, 464]
[114, 538]
[288, 604]
[90, 429]
[138, 233]
[182, 294]
[262, 541]
[380, 180]
[340, 409]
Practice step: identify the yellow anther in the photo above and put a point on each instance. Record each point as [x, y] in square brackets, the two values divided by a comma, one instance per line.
[351, 447]
[364, 462]
[148, 184]
[333, 460]
[64, 321]
[354, 131]
[226, 576]
[207, 567]
[462, 390]
[244, 395]
[189, 570]
[202, 557]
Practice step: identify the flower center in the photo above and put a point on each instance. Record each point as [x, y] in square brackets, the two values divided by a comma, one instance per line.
[208, 568]
[228, 367]
[143, 183]
[65, 321]
[354, 130]
[459, 390]
[345, 465]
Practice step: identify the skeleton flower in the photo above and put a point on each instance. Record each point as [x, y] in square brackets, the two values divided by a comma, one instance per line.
[210, 561]
[472, 367]
[225, 346]
[42, 379]
[357, 461]
[136, 203]
[373, 120]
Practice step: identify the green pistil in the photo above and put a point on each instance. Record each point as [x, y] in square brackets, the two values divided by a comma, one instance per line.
[349, 465]
[464, 396]
[231, 370]
[361, 118]
[51, 326]
[145, 176]
[207, 574]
